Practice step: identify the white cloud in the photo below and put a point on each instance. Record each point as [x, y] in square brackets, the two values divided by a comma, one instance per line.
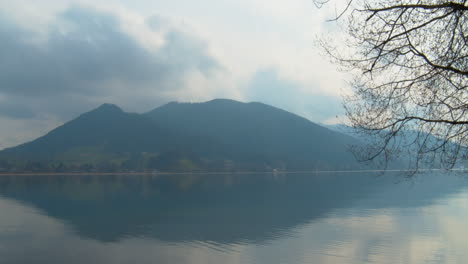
[242, 37]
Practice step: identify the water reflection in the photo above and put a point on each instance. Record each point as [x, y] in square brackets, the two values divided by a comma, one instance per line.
[232, 219]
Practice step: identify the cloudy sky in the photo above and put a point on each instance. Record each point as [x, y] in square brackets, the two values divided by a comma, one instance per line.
[60, 58]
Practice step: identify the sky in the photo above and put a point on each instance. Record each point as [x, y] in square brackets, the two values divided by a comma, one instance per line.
[60, 58]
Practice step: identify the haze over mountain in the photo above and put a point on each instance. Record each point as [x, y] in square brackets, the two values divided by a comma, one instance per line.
[219, 135]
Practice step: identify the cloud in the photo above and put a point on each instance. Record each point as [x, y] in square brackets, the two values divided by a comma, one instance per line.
[60, 59]
[86, 57]
[269, 87]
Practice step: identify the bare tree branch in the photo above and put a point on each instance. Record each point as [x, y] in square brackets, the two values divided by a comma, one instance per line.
[410, 62]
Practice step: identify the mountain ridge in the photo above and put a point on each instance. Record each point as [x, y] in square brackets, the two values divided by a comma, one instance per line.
[220, 134]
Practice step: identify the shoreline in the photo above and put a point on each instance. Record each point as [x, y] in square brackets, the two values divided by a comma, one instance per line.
[214, 173]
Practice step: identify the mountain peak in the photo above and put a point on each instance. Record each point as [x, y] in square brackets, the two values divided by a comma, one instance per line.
[108, 108]
[213, 101]
[224, 101]
[186, 105]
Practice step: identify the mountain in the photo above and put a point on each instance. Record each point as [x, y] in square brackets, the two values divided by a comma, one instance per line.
[96, 129]
[408, 145]
[256, 130]
[218, 135]
[343, 129]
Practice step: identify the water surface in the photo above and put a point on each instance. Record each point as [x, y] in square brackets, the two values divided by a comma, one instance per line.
[295, 218]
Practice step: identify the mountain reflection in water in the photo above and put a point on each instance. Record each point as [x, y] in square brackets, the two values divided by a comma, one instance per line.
[218, 214]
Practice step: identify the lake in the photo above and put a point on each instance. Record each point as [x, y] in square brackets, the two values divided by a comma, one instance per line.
[258, 218]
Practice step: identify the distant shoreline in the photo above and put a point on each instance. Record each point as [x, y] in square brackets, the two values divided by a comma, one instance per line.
[213, 173]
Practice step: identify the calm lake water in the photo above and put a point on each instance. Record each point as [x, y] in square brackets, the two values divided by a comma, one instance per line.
[292, 218]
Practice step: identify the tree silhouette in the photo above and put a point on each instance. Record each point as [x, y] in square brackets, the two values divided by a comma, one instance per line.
[409, 59]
